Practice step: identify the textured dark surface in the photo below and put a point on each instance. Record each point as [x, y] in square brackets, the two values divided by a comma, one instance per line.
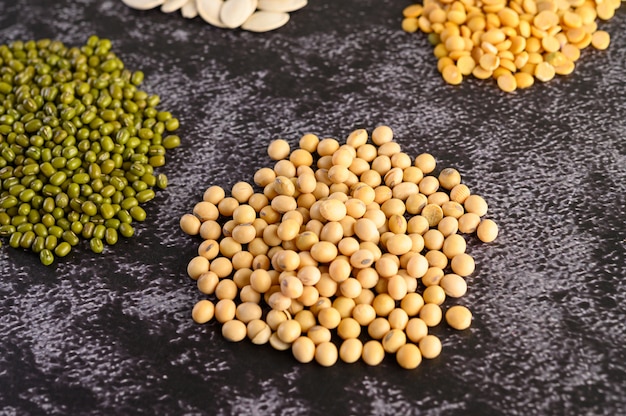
[113, 335]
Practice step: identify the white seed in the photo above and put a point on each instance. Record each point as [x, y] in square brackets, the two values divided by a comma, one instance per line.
[172, 5]
[189, 10]
[263, 21]
[209, 11]
[235, 12]
[252, 15]
[281, 5]
[143, 4]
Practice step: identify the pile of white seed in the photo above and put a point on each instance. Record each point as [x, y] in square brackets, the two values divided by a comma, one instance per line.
[252, 15]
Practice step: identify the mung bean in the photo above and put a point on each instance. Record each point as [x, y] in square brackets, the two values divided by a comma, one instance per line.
[70, 146]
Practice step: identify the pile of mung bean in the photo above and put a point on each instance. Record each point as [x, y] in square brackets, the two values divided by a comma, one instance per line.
[514, 41]
[251, 15]
[79, 144]
[356, 242]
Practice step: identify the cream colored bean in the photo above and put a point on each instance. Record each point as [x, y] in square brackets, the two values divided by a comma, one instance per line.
[454, 285]
[425, 162]
[397, 287]
[412, 304]
[207, 282]
[258, 331]
[364, 313]
[475, 204]
[459, 317]
[434, 294]
[319, 334]
[378, 328]
[393, 340]
[409, 356]
[463, 264]
[349, 328]
[430, 346]
[203, 311]
[329, 318]
[306, 319]
[431, 314]
[373, 353]
[234, 330]
[416, 329]
[417, 266]
[326, 354]
[288, 331]
[487, 231]
[303, 349]
[351, 350]
[454, 245]
[190, 224]
[248, 311]
[275, 317]
[449, 178]
[468, 223]
[197, 266]
[214, 194]
[277, 344]
[278, 149]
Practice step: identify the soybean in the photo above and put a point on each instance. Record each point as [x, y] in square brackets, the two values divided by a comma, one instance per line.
[459, 317]
[378, 249]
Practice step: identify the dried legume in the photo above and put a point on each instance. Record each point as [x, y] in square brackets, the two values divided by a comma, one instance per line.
[514, 41]
[79, 144]
[372, 260]
[255, 16]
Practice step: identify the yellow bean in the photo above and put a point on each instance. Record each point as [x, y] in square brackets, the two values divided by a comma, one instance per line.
[544, 72]
[343, 256]
[303, 349]
[507, 82]
[600, 39]
[234, 330]
[459, 317]
[203, 311]
[430, 346]
[487, 230]
[373, 353]
[351, 350]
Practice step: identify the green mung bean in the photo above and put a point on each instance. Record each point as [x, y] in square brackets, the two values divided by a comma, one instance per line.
[78, 145]
[27, 239]
[110, 236]
[38, 244]
[145, 195]
[14, 240]
[46, 257]
[96, 245]
[63, 249]
[50, 242]
[125, 228]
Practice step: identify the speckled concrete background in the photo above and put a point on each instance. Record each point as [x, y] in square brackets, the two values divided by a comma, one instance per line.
[113, 334]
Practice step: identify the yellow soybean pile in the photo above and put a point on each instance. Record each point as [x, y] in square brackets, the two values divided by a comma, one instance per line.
[512, 41]
[357, 242]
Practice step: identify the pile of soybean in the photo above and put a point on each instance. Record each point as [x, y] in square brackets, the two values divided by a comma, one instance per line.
[343, 251]
[79, 144]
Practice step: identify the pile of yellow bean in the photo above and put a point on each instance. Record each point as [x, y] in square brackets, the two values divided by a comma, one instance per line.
[512, 41]
[356, 242]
